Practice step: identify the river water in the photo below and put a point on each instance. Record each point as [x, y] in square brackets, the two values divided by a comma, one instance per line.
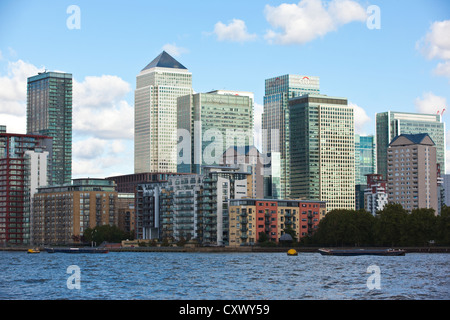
[222, 276]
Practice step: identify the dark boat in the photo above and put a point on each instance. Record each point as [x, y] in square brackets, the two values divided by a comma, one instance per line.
[76, 250]
[361, 252]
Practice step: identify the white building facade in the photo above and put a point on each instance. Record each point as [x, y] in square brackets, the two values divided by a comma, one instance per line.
[158, 86]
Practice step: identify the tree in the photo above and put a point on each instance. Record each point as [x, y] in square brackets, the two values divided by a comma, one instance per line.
[390, 222]
[291, 232]
[345, 227]
[263, 237]
[106, 233]
[443, 227]
[420, 227]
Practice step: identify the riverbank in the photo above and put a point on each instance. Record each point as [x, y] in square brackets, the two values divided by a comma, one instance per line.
[245, 249]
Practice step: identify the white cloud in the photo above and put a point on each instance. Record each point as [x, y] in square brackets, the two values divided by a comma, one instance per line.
[100, 158]
[100, 108]
[101, 116]
[235, 31]
[443, 69]
[436, 45]
[430, 103]
[89, 148]
[99, 92]
[174, 50]
[13, 88]
[361, 119]
[310, 19]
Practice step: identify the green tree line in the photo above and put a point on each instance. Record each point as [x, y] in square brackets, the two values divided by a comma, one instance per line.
[106, 233]
[392, 226]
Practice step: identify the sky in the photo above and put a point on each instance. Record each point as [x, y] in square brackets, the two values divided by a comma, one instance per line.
[382, 55]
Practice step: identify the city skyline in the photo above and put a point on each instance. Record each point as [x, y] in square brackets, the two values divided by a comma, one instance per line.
[403, 66]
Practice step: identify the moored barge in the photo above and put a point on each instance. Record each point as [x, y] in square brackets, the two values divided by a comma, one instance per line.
[76, 250]
[361, 252]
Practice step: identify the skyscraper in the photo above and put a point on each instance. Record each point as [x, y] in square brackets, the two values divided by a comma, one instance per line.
[391, 124]
[322, 145]
[365, 163]
[49, 113]
[24, 160]
[412, 172]
[214, 122]
[158, 86]
[275, 118]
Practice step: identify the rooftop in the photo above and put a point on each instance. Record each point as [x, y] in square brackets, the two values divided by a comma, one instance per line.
[164, 60]
[419, 138]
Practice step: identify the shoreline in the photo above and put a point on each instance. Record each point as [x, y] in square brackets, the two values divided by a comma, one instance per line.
[254, 249]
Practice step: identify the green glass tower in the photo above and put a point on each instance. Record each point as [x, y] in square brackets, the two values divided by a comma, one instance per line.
[214, 122]
[391, 124]
[365, 159]
[275, 118]
[49, 113]
[322, 145]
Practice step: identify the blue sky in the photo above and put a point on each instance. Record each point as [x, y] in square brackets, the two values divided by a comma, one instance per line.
[402, 66]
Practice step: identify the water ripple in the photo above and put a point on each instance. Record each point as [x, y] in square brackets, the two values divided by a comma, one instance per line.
[262, 276]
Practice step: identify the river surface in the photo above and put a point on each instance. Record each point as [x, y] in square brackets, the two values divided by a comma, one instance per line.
[222, 276]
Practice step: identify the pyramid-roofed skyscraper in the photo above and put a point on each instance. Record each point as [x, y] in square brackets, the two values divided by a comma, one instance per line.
[164, 60]
[158, 86]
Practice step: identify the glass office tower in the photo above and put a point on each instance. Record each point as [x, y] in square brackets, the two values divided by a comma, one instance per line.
[49, 113]
[365, 164]
[391, 124]
[365, 158]
[214, 122]
[275, 118]
[158, 86]
[322, 145]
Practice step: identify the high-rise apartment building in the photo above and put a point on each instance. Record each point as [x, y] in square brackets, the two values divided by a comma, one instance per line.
[24, 164]
[322, 148]
[49, 113]
[190, 206]
[62, 213]
[275, 118]
[412, 172]
[391, 124]
[158, 86]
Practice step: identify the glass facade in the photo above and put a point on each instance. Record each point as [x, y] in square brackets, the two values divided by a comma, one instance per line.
[215, 122]
[322, 145]
[365, 160]
[275, 118]
[157, 88]
[391, 124]
[49, 113]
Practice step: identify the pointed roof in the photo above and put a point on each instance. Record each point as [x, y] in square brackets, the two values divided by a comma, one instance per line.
[164, 60]
[408, 139]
